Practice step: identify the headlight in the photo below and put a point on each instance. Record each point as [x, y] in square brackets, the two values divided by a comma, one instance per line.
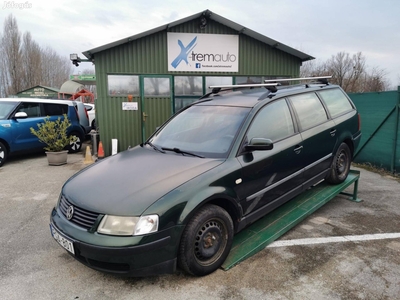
[117, 225]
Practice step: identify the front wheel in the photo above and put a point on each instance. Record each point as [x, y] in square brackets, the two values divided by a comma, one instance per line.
[3, 153]
[206, 241]
[340, 167]
[76, 146]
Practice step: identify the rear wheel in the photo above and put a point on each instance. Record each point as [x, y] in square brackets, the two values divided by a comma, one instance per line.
[206, 241]
[340, 167]
[77, 145]
[3, 153]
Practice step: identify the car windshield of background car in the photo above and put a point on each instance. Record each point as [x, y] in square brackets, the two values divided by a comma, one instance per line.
[204, 130]
[6, 108]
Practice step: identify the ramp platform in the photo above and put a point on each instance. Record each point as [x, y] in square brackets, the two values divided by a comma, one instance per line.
[266, 230]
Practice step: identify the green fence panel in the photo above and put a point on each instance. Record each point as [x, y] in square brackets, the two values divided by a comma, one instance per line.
[380, 142]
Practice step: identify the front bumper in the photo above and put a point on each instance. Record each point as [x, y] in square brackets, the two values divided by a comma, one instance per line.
[135, 256]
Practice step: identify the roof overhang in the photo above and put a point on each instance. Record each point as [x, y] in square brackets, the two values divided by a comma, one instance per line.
[210, 15]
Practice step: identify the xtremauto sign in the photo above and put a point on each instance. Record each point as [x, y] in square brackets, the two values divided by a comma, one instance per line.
[203, 52]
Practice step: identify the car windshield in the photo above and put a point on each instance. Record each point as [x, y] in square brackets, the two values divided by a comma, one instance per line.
[6, 108]
[207, 131]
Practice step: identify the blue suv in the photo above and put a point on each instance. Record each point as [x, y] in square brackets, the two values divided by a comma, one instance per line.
[18, 115]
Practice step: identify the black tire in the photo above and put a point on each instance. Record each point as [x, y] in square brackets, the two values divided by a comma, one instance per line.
[3, 154]
[340, 167]
[206, 241]
[77, 145]
[94, 124]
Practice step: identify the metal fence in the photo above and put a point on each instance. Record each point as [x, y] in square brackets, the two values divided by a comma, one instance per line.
[380, 142]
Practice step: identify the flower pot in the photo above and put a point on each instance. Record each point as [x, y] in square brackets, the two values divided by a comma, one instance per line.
[57, 158]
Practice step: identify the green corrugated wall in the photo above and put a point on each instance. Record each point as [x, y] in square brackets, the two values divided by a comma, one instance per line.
[148, 55]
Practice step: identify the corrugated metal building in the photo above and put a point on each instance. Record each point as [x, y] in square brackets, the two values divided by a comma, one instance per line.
[143, 79]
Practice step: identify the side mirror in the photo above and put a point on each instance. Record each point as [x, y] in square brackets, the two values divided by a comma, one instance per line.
[259, 144]
[20, 115]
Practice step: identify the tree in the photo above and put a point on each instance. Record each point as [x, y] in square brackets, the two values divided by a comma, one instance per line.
[350, 72]
[25, 64]
[11, 52]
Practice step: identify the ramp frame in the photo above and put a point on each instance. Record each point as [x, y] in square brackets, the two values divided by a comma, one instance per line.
[266, 230]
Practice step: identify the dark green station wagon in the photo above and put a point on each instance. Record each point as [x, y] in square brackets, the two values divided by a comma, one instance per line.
[212, 169]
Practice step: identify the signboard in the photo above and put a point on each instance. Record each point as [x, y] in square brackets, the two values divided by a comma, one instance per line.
[191, 52]
[82, 77]
[129, 106]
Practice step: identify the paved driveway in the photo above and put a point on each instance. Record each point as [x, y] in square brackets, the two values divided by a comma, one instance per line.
[34, 266]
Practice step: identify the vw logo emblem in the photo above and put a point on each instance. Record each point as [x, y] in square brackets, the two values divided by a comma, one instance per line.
[70, 212]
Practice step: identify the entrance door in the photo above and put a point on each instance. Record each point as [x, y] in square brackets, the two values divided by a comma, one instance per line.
[156, 102]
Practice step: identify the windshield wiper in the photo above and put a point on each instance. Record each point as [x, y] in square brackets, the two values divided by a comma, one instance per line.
[154, 147]
[177, 150]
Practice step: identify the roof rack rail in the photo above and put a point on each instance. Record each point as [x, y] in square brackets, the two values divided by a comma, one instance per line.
[321, 79]
[233, 86]
[217, 88]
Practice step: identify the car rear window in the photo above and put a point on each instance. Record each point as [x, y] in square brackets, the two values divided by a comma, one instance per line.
[336, 101]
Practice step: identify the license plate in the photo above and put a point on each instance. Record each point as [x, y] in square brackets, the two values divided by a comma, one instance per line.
[65, 243]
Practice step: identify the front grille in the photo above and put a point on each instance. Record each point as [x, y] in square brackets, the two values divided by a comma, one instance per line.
[81, 217]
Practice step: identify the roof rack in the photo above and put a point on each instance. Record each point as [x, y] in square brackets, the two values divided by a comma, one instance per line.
[233, 86]
[320, 79]
[217, 88]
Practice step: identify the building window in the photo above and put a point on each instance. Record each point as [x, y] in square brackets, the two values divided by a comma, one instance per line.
[217, 81]
[123, 85]
[188, 86]
[158, 87]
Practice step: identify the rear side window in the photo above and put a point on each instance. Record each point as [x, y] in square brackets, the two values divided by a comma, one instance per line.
[273, 122]
[51, 109]
[309, 109]
[336, 101]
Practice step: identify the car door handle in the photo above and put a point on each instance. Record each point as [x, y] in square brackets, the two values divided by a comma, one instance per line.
[297, 150]
[333, 132]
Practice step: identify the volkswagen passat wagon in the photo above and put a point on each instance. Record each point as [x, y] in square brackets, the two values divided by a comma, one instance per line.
[212, 169]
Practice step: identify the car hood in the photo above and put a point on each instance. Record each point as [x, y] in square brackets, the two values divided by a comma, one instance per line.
[129, 182]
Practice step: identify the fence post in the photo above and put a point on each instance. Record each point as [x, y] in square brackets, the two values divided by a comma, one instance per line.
[393, 166]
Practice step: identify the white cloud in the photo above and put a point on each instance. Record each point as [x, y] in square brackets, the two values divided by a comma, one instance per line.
[319, 28]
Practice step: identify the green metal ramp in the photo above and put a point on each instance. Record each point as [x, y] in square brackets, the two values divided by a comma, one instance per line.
[266, 230]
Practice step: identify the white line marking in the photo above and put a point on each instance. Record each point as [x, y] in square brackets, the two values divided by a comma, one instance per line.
[334, 239]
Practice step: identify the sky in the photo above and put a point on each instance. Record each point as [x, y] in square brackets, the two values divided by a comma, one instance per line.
[319, 28]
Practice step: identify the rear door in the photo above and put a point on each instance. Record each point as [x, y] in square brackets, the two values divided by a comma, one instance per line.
[271, 177]
[319, 134]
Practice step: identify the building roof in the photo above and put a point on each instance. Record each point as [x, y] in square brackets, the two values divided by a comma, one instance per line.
[71, 87]
[210, 15]
[40, 86]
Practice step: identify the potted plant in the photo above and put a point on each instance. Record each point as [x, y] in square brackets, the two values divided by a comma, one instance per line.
[54, 135]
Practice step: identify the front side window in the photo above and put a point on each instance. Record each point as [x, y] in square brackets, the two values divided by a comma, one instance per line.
[273, 122]
[309, 110]
[31, 109]
[336, 102]
[205, 130]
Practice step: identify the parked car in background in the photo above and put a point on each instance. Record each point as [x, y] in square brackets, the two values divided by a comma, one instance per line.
[18, 115]
[92, 114]
[212, 169]
[83, 116]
